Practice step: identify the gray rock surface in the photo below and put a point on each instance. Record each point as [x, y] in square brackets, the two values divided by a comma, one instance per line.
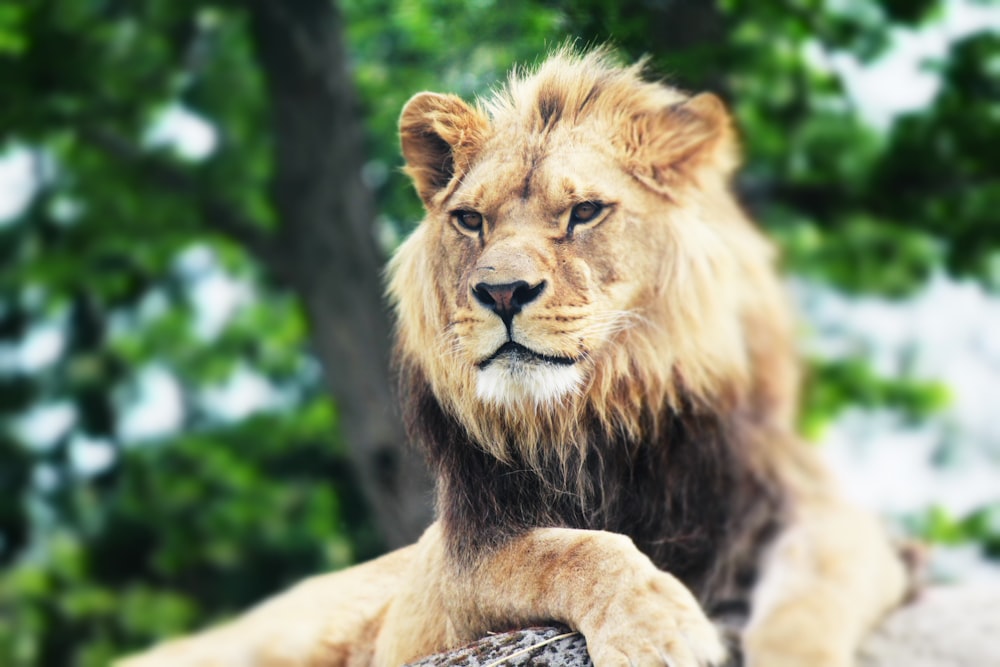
[948, 626]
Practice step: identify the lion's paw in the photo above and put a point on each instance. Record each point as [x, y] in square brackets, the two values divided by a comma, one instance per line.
[653, 620]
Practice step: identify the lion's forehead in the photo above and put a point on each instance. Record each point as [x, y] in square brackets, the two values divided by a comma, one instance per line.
[548, 174]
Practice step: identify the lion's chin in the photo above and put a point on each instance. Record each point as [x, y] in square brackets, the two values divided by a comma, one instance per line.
[512, 382]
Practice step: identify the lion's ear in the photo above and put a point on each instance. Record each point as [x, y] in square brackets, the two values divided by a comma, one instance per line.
[690, 136]
[440, 134]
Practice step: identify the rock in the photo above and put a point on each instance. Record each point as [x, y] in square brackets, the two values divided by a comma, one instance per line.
[948, 626]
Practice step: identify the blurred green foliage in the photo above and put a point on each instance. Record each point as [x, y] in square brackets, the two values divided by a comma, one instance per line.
[197, 521]
[981, 526]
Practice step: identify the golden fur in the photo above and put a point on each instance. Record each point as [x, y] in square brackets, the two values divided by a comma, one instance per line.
[586, 292]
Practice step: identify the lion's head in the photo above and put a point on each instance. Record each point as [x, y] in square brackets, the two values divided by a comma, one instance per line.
[583, 260]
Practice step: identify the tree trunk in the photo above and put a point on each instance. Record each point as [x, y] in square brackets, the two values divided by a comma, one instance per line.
[327, 248]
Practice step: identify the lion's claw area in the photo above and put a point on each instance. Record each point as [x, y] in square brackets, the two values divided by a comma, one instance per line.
[657, 622]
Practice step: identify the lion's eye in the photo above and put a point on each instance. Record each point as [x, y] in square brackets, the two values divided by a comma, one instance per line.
[584, 212]
[469, 220]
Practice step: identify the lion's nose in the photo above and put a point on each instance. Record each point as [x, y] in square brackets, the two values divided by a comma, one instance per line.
[508, 299]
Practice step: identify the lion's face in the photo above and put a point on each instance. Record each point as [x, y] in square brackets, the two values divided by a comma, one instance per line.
[537, 258]
[581, 255]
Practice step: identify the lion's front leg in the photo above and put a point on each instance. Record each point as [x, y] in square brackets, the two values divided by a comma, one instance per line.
[827, 580]
[599, 583]
[329, 620]
[596, 582]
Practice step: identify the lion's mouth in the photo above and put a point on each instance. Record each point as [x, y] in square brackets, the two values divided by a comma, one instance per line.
[518, 352]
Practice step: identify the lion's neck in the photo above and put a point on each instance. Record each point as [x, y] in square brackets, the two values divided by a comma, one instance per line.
[674, 492]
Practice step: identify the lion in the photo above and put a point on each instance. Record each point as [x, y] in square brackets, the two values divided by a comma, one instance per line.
[596, 354]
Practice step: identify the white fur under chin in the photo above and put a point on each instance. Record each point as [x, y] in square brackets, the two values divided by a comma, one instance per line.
[538, 383]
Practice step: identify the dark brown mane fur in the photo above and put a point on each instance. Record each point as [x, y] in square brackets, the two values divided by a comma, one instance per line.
[688, 497]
